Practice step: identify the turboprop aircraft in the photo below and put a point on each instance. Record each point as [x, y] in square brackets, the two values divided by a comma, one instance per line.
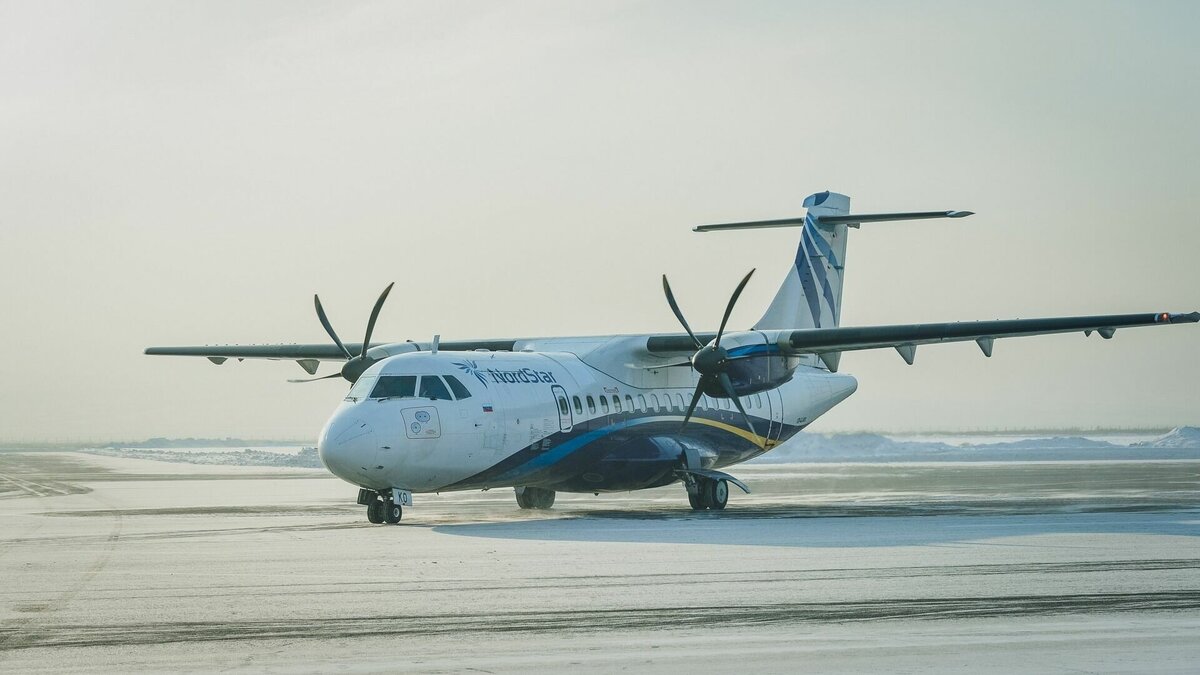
[618, 412]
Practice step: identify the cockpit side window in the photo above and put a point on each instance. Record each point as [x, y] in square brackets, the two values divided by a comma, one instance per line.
[433, 387]
[395, 386]
[460, 390]
[361, 388]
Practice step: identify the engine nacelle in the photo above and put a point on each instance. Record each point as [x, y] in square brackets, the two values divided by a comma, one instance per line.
[754, 364]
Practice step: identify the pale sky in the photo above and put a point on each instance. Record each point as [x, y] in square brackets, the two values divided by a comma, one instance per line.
[190, 173]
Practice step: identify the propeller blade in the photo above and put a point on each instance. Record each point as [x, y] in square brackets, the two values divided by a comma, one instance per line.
[374, 316]
[729, 308]
[695, 399]
[329, 328]
[678, 314]
[727, 385]
[665, 365]
[314, 379]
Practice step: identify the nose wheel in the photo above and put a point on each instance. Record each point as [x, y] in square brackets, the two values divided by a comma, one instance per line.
[380, 508]
[392, 513]
[375, 512]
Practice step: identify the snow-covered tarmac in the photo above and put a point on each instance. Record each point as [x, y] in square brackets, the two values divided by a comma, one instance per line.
[118, 564]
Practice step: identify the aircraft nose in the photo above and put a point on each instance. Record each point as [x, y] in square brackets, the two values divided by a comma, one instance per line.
[344, 445]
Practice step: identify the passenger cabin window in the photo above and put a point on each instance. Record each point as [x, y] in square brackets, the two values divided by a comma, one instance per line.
[395, 386]
[460, 390]
[591, 405]
[361, 388]
[629, 402]
[433, 387]
[616, 404]
[641, 402]
[578, 406]
[654, 401]
[679, 402]
[604, 405]
[562, 406]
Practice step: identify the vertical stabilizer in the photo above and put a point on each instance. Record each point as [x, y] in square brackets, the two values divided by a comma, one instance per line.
[811, 294]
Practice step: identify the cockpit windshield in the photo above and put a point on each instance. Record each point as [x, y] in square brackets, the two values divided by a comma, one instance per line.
[395, 386]
[432, 387]
[360, 389]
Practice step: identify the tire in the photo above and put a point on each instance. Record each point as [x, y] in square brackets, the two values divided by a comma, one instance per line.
[375, 512]
[696, 499]
[392, 513]
[717, 494]
[523, 498]
[535, 498]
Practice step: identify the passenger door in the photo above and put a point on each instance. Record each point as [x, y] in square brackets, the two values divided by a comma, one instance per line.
[565, 421]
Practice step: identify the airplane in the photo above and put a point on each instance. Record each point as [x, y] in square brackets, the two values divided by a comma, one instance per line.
[612, 413]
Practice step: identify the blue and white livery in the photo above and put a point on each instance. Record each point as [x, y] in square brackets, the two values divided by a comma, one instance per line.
[618, 412]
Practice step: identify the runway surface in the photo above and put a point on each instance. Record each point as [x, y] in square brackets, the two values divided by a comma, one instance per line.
[125, 564]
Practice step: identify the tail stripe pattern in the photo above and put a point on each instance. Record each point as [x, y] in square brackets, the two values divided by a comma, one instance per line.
[805, 269]
[814, 259]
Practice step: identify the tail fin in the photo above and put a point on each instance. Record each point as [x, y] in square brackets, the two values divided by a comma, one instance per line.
[811, 294]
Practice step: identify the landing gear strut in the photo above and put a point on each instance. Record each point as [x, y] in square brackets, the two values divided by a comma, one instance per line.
[707, 493]
[534, 498]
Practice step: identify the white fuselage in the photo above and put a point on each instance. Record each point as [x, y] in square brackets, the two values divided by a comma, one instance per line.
[548, 418]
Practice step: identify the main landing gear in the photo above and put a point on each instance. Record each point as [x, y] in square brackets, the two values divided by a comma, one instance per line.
[534, 498]
[380, 507]
[707, 493]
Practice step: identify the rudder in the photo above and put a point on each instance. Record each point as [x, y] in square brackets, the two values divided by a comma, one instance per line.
[811, 293]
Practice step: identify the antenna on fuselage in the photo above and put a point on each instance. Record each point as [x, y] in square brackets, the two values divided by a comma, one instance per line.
[437, 339]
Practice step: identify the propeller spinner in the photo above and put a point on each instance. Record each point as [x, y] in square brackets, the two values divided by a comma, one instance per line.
[355, 365]
[711, 361]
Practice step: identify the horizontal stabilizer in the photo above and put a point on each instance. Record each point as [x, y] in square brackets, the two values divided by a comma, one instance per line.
[850, 219]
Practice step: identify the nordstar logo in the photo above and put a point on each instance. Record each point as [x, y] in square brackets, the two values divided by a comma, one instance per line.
[471, 368]
[522, 376]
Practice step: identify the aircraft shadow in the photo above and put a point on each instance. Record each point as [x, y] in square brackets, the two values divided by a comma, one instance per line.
[794, 526]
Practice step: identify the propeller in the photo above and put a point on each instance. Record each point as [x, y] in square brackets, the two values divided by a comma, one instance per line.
[355, 365]
[710, 361]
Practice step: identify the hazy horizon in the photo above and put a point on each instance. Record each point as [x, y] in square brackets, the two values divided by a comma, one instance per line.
[191, 173]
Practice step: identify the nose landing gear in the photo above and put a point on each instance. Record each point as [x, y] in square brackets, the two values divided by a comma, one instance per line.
[381, 508]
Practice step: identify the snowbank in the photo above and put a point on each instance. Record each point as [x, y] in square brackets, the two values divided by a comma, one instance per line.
[1180, 443]
[305, 458]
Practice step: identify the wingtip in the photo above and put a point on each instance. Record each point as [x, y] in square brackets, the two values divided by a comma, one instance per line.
[959, 214]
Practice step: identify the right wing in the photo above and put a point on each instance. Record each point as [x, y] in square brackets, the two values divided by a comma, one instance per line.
[830, 342]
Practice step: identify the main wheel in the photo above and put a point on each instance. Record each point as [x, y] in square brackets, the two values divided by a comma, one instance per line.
[535, 498]
[696, 499]
[543, 498]
[392, 513]
[524, 498]
[717, 494]
[375, 512]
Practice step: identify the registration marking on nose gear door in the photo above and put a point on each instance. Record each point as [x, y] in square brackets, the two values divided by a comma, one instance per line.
[422, 422]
